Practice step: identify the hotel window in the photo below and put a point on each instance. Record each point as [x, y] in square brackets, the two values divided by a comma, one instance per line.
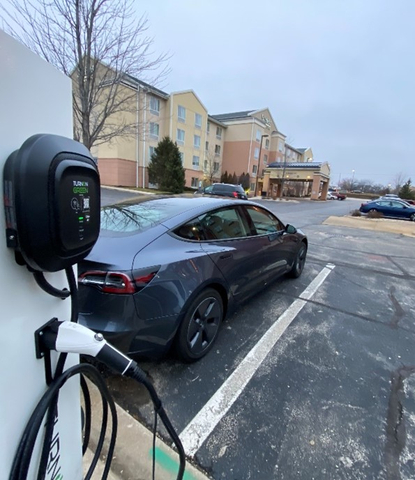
[254, 169]
[154, 129]
[182, 157]
[198, 120]
[206, 165]
[154, 105]
[258, 135]
[252, 187]
[180, 136]
[217, 149]
[208, 127]
[281, 146]
[218, 132]
[196, 141]
[265, 158]
[181, 113]
[256, 154]
[215, 167]
[195, 182]
[207, 146]
[267, 143]
[150, 152]
[195, 161]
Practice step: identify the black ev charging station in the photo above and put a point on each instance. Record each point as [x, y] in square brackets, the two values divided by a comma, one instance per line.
[52, 214]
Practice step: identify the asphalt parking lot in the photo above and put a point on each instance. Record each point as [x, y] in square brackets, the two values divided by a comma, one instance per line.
[328, 390]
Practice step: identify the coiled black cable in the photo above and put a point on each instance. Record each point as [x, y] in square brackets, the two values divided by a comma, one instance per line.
[48, 405]
[21, 463]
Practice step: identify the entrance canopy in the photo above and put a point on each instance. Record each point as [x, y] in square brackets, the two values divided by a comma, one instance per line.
[315, 172]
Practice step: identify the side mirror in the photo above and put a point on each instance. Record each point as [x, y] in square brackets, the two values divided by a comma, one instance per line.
[290, 229]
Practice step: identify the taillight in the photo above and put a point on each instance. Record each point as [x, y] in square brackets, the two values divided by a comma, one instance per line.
[235, 194]
[119, 282]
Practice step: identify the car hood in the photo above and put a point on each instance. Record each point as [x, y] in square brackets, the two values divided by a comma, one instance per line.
[117, 251]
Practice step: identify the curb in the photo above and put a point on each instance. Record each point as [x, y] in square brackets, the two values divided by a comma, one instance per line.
[379, 225]
[132, 458]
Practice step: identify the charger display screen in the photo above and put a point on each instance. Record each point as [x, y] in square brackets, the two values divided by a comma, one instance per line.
[78, 211]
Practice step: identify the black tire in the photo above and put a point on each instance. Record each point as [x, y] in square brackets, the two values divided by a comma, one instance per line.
[373, 210]
[298, 265]
[412, 217]
[200, 326]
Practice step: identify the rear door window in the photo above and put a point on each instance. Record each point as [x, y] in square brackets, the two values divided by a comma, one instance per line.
[263, 222]
[223, 224]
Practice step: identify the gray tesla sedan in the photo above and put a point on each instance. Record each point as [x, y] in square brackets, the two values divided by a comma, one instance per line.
[165, 271]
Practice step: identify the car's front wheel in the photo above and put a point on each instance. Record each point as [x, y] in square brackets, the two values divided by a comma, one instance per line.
[412, 217]
[200, 326]
[298, 265]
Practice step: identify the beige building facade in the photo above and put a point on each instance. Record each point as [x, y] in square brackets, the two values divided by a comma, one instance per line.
[210, 145]
[251, 142]
[179, 115]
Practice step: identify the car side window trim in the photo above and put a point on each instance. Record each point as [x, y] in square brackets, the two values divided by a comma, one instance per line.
[222, 229]
[280, 227]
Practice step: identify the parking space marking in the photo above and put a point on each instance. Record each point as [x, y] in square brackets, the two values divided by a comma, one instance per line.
[202, 425]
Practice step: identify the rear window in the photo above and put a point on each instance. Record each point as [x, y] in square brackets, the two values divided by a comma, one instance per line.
[136, 218]
[228, 188]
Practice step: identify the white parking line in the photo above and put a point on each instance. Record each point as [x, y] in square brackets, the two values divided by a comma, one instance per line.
[202, 425]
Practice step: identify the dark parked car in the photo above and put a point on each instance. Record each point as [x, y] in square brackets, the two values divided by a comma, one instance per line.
[390, 208]
[166, 271]
[225, 190]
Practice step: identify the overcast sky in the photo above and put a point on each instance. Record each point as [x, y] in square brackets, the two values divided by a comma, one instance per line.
[337, 75]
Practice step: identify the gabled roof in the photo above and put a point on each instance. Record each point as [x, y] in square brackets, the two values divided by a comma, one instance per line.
[298, 150]
[182, 92]
[213, 120]
[223, 117]
[152, 89]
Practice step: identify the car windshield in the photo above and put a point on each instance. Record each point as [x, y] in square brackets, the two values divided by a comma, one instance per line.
[136, 218]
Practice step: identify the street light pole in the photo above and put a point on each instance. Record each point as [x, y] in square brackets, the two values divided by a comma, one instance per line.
[283, 171]
[351, 186]
[259, 163]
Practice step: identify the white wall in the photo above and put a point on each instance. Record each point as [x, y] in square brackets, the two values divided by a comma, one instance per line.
[34, 98]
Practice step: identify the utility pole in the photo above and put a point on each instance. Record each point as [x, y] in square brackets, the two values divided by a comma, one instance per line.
[259, 163]
[283, 170]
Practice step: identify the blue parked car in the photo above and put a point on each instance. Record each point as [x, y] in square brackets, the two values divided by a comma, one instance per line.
[390, 208]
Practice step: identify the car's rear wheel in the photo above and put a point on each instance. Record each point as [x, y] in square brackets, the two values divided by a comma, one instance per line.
[373, 210]
[200, 326]
[298, 265]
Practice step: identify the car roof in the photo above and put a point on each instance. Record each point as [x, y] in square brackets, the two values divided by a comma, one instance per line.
[179, 208]
[183, 203]
[227, 185]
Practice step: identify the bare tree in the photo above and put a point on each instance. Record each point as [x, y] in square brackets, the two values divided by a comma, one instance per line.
[211, 166]
[100, 44]
[398, 181]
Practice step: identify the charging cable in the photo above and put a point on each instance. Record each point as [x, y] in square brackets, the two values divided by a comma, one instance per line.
[70, 337]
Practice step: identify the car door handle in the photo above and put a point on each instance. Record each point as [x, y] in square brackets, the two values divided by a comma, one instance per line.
[225, 255]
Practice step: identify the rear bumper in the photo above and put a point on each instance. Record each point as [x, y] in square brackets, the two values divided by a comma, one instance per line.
[116, 317]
